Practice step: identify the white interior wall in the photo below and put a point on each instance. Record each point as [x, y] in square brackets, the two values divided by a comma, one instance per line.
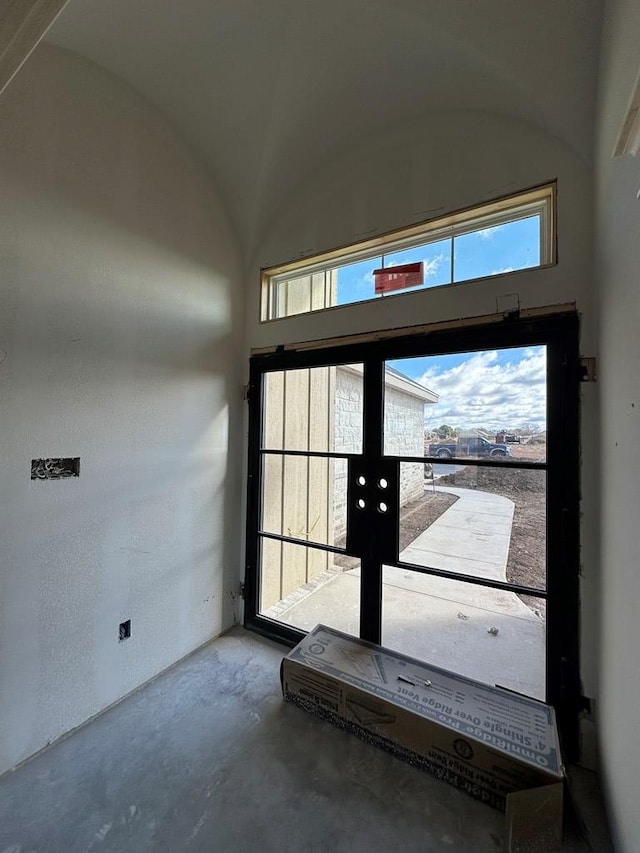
[424, 169]
[119, 318]
[618, 182]
[413, 172]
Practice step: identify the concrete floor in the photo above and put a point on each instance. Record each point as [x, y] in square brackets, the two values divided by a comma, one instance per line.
[208, 758]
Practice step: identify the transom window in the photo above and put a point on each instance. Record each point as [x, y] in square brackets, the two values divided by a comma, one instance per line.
[500, 237]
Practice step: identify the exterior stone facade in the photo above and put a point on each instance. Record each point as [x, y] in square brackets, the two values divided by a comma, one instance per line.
[321, 409]
[403, 426]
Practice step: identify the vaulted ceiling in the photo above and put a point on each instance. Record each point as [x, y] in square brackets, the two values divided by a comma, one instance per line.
[267, 90]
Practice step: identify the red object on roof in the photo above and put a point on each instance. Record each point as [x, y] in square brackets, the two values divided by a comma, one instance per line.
[397, 278]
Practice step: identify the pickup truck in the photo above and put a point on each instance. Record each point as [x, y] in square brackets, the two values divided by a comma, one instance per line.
[468, 447]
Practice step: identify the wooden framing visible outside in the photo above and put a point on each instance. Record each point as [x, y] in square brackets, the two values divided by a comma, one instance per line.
[425, 329]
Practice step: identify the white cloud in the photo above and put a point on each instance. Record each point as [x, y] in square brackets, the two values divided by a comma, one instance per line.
[431, 265]
[365, 284]
[489, 233]
[482, 392]
[503, 270]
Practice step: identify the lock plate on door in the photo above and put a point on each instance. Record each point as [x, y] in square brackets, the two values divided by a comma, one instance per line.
[373, 497]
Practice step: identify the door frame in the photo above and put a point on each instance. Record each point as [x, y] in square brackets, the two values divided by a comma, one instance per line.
[560, 334]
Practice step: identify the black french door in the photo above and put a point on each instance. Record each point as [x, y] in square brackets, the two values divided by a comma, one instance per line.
[454, 542]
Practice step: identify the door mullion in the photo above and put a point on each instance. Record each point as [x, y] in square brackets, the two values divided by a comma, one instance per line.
[371, 566]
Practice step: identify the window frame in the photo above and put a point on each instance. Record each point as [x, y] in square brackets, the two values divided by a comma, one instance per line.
[539, 200]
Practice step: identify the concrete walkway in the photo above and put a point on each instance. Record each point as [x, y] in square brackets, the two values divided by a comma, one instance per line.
[487, 634]
[472, 537]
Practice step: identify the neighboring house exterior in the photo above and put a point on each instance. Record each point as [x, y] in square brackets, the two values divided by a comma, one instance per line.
[321, 409]
[405, 400]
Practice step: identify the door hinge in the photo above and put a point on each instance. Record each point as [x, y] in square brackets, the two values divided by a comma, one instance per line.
[243, 590]
[246, 390]
[588, 370]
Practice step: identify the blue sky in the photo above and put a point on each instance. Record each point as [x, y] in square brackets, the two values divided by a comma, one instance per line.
[492, 389]
[503, 248]
[497, 389]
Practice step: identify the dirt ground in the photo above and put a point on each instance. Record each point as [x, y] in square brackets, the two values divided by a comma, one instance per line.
[532, 452]
[415, 517]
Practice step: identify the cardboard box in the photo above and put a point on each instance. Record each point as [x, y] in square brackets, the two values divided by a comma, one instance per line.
[498, 746]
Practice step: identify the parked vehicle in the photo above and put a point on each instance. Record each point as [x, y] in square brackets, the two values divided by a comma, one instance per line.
[508, 438]
[471, 446]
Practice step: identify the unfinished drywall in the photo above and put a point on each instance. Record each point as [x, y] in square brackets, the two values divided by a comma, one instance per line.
[119, 315]
[421, 170]
[618, 241]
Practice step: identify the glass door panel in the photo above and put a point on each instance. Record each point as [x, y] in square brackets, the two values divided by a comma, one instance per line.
[305, 498]
[314, 409]
[309, 416]
[462, 513]
[489, 404]
[487, 634]
[302, 586]
[473, 520]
